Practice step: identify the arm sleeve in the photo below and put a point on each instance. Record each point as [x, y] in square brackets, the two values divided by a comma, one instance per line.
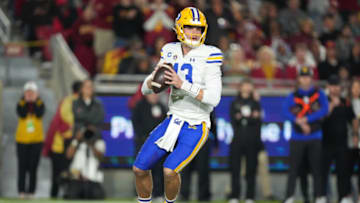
[21, 108]
[322, 112]
[39, 108]
[256, 120]
[167, 21]
[213, 86]
[100, 115]
[350, 113]
[144, 88]
[232, 114]
[213, 129]
[286, 108]
[151, 22]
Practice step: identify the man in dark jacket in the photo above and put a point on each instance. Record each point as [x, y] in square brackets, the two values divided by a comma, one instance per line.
[148, 113]
[246, 121]
[305, 108]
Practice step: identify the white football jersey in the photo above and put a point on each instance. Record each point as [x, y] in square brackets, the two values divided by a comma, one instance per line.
[200, 66]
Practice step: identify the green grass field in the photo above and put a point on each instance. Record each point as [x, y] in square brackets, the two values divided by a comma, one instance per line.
[3, 200]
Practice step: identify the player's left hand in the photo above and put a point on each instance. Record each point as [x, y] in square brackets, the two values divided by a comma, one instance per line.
[173, 78]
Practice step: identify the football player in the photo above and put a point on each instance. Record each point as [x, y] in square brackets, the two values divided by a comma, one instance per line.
[195, 82]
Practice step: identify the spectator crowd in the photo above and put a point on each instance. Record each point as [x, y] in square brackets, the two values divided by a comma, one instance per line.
[263, 39]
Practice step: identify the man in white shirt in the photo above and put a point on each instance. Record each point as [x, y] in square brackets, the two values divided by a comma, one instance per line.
[195, 81]
[86, 152]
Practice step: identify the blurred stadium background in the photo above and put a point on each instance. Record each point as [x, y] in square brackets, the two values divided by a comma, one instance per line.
[54, 75]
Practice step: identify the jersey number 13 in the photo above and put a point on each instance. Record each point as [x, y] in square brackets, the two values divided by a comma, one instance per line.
[186, 67]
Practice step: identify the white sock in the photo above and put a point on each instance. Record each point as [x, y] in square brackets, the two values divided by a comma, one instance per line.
[144, 200]
[169, 201]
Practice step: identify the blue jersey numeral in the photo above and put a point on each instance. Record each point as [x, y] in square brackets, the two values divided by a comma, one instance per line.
[185, 66]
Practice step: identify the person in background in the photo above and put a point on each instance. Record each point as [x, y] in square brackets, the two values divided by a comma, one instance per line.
[245, 114]
[335, 139]
[329, 32]
[345, 80]
[344, 43]
[219, 17]
[87, 147]
[306, 34]
[354, 23]
[127, 24]
[291, 17]
[36, 14]
[237, 64]
[142, 66]
[354, 158]
[277, 42]
[305, 108]
[58, 138]
[331, 64]
[355, 60]
[82, 37]
[158, 22]
[103, 34]
[147, 114]
[302, 58]
[266, 67]
[29, 138]
[66, 17]
[155, 50]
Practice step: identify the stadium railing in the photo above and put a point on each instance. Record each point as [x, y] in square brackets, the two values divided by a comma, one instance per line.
[5, 27]
[128, 84]
[66, 67]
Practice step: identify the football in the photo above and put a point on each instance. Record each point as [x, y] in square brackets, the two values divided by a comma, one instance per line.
[158, 84]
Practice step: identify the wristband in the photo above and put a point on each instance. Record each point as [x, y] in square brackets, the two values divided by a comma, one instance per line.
[191, 89]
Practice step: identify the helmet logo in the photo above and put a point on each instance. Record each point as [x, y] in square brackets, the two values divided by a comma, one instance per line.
[195, 14]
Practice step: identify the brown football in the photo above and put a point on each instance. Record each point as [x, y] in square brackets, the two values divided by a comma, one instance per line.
[158, 84]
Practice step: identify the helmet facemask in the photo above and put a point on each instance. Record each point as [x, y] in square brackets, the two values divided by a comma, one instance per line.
[188, 40]
[186, 18]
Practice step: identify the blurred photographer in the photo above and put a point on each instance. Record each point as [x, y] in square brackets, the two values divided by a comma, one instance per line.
[87, 147]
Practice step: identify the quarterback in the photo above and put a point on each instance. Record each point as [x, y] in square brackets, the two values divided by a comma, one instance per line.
[195, 82]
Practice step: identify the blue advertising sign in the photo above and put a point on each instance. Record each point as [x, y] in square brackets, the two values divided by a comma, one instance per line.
[275, 132]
